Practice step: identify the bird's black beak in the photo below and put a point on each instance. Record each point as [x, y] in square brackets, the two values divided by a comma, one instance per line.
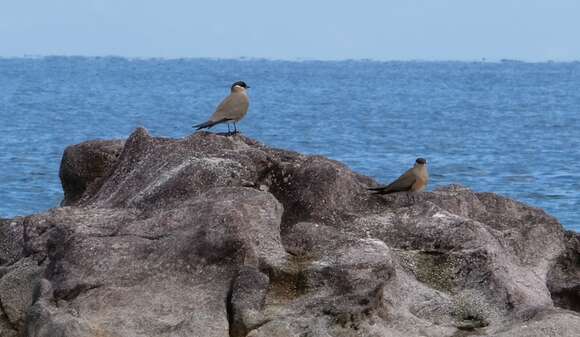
[247, 87]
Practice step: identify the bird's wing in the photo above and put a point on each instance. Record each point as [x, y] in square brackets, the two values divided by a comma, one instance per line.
[232, 107]
[403, 183]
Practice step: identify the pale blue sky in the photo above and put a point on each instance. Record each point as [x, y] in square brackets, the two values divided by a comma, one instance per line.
[532, 30]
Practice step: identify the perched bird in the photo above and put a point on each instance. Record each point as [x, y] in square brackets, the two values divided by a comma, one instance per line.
[414, 180]
[231, 109]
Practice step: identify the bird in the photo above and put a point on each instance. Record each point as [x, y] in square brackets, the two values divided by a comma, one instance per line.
[231, 110]
[414, 180]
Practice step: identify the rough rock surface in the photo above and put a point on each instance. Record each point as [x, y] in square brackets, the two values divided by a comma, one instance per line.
[564, 277]
[222, 236]
[84, 165]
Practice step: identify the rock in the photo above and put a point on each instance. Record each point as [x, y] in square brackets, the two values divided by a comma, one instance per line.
[247, 301]
[222, 236]
[6, 330]
[545, 324]
[11, 241]
[84, 165]
[564, 277]
[16, 289]
[319, 190]
[167, 274]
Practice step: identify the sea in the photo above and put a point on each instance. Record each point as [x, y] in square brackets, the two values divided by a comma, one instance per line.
[506, 127]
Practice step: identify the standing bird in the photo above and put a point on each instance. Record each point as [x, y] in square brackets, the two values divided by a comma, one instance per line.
[231, 109]
[414, 180]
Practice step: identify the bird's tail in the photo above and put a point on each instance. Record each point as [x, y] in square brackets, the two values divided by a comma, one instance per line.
[209, 124]
[378, 190]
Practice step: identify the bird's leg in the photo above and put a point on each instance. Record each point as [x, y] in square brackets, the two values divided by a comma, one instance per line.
[229, 132]
[235, 128]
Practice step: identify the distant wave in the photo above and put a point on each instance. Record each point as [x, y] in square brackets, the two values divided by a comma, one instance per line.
[298, 59]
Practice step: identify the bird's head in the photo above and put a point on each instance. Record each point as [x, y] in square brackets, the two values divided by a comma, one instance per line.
[239, 86]
[421, 161]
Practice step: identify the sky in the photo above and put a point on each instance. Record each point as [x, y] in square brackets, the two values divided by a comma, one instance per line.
[529, 30]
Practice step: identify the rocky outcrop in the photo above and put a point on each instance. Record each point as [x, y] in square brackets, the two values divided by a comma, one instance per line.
[564, 277]
[223, 236]
[84, 165]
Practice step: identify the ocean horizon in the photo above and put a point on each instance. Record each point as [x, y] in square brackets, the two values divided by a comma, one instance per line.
[290, 59]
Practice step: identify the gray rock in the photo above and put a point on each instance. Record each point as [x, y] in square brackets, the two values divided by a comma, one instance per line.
[161, 276]
[544, 324]
[16, 290]
[564, 276]
[11, 241]
[84, 165]
[247, 301]
[223, 236]
[6, 329]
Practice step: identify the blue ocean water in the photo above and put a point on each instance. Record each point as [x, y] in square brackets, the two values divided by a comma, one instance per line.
[509, 127]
